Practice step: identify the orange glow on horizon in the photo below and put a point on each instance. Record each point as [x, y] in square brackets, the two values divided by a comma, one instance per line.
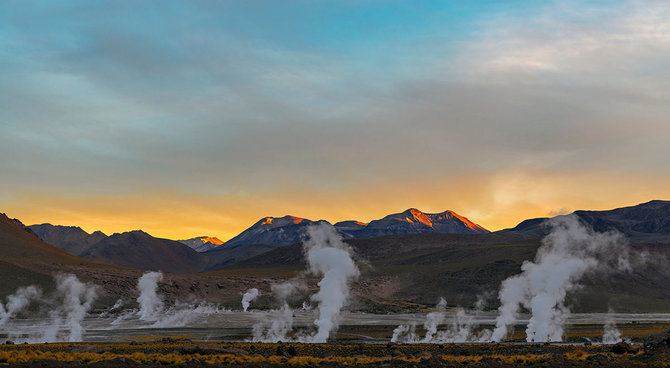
[494, 203]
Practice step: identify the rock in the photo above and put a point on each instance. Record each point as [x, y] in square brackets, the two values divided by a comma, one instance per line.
[658, 343]
[598, 358]
[209, 350]
[281, 350]
[624, 348]
[89, 349]
[116, 362]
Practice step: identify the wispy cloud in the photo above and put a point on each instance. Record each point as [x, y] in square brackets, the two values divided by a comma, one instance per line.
[325, 103]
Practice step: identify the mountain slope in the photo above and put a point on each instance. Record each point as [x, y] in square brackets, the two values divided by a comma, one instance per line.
[223, 256]
[202, 243]
[18, 242]
[137, 249]
[71, 239]
[420, 268]
[413, 221]
[25, 259]
[279, 231]
[644, 222]
[275, 231]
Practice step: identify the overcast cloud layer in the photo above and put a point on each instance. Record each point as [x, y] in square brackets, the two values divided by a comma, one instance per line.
[194, 118]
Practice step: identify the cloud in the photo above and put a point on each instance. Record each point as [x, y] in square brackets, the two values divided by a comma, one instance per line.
[240, 103]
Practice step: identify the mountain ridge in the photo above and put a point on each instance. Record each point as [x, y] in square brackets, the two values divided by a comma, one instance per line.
[644, 222]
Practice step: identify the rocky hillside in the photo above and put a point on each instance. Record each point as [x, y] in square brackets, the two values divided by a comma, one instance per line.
[202, 243]
[412, 221]
[71, 239]
[137, 249]
[646, 222]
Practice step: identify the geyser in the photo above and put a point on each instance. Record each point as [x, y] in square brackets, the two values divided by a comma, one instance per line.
[77, 299]
[151, 304]
[68, 305]
[461, 328]
[248, 297]
[153, 309]
[327, 256]
[566, 255]
[17, 301]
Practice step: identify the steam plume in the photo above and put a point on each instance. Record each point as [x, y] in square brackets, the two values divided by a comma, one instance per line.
[17, 301]
[77, 299]
[328, 255]
[248, 297]
[151, 304]
[434, 319]
[153, 309]
[567, 253]
[279, 323]
[460, 329]
[611, 334]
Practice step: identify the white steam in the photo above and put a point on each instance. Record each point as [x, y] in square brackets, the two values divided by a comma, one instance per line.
[276, 327]
[18, 301]
[248, 297]
[153, 309]
[434, 319]
[68, 306]
[328, 255]
[611, 334]
[461, 328]
[566, 255]
[77, 300]
[151, 304]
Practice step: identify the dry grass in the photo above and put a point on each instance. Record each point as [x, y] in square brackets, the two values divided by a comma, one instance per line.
[180, 351]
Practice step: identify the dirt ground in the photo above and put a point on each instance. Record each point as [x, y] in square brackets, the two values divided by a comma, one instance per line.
[186, 353]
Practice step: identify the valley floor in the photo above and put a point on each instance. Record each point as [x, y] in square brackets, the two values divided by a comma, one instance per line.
[187, 353]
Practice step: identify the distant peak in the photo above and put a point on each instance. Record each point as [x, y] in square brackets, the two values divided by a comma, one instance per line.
[210, 239]
[296, 220]
[137, 232]
[288, 218]
[417, 216]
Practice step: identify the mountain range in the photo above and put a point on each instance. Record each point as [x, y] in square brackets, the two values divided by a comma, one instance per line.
[202, 243]
[278, 231]
[136, 249]
[397, 270]
[644, 222]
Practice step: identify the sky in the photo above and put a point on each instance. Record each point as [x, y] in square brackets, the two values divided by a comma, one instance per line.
[190, 118]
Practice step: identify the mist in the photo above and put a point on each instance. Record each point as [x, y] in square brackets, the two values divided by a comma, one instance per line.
[18, 301]
[152, 307]
[569, 252]
[248, 297]
[77, 299]
[68, 305]
[329, 257]
[151, 303]
[461, 327]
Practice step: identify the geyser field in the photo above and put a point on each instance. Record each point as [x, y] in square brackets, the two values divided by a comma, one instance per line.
[533, 321]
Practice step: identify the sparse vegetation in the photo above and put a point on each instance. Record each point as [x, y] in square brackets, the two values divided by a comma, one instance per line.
[180, 351]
